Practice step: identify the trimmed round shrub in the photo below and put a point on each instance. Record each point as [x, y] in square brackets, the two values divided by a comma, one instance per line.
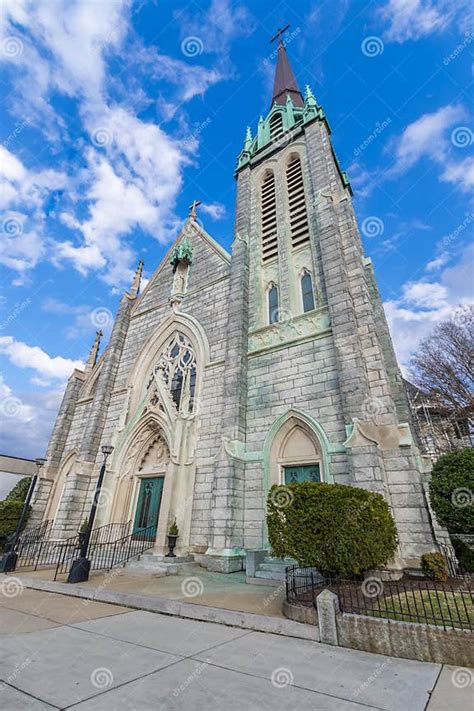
[433, 566]
[341, 530]
[452, 491]
[20, 490]
[464, 554]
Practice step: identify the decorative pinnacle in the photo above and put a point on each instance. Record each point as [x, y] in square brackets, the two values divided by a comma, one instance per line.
[308, 95]
[135, 287]
[248, 139]
[92, 359]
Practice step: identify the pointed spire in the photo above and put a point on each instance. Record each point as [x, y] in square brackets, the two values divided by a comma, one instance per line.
[285, 82]
[135, 287]
[309, 96]
[92, 359]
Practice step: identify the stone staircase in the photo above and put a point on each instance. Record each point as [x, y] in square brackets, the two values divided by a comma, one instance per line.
[271, 569]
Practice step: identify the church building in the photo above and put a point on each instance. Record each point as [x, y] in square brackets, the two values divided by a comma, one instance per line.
[232, 372]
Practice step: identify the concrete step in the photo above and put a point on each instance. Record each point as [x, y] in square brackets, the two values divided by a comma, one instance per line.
[277, 567]
[270, 575]
[159, 564]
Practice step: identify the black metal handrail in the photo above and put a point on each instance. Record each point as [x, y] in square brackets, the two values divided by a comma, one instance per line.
[449, 605]
[109, 532]
[106, 555]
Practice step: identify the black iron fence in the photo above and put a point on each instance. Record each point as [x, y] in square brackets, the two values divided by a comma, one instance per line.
[106, 554]
[449, 605]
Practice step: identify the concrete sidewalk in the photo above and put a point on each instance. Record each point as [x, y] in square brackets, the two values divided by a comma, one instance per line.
[72, 653]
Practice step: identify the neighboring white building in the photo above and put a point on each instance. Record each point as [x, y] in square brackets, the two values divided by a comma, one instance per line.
[12, 469]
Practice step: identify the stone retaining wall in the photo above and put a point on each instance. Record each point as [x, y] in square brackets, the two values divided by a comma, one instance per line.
[408, 640]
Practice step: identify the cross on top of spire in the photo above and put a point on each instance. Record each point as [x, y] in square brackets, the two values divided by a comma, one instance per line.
[279, 34]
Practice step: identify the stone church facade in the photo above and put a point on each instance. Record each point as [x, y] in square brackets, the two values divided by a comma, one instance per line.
[232, 372]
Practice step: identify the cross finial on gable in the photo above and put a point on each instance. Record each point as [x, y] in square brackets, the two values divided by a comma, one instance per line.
[192, 209]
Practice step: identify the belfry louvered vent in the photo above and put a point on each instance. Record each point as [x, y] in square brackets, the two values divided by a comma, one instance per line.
[297, 203]
[269, 219]
[276, 126]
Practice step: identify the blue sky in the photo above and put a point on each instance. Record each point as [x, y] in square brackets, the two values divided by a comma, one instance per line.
[116, 114]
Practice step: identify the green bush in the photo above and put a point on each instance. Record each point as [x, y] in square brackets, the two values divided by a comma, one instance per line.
[10, 512]
[452, 491]
[433, 566]
[341, 530]
[464, 555]
[20, 490]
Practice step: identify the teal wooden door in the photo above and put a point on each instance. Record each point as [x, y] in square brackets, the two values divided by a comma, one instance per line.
[148, 505]
[308, 472]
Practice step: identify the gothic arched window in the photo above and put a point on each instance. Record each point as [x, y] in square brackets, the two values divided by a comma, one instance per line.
[177, 366]
[273, 307]
[297, 202]
[268, 218]
[307, 295]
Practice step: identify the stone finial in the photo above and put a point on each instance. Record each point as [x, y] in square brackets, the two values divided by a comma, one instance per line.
[248, 139]
[135, 287]
[92, 359]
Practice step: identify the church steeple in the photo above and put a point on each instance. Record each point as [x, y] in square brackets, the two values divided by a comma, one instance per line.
[285, 83]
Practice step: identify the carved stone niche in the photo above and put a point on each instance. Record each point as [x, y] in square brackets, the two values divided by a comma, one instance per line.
[155, 456]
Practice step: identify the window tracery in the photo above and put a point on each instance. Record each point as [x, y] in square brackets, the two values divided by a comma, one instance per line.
[177, 368]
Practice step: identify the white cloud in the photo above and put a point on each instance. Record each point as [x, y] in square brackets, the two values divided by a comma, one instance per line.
[30, 412]
[425, 137]
[414, 19]
[25, 356]
[214, 209]
[423, 304]
[461, 174]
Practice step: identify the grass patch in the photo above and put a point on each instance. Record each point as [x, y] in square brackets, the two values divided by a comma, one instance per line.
[428, 606]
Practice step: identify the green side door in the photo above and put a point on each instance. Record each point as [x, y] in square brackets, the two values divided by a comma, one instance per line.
[297, 474]
[148, 506]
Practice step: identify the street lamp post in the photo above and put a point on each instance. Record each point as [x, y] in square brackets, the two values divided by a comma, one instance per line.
[10, 557]
[81, 566]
